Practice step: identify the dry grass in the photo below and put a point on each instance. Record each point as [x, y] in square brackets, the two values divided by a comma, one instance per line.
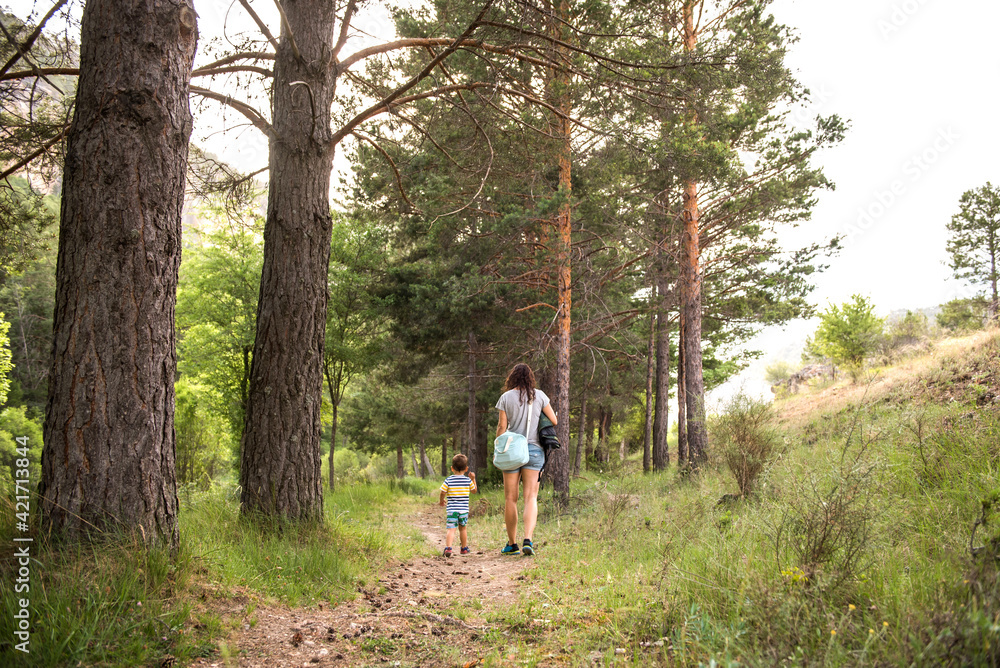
[877, 383]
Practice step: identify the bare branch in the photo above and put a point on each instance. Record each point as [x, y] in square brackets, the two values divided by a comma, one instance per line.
[260, 24]
[24, 55]
[39, 72]
[250, 55]
[288, 30]
[392, 164]
[345, 25]
[30, 40]
[234, 68]
[249, 112]
[13, 169]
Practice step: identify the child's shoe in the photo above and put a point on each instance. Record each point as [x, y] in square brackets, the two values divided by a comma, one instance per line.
[510, 549]
[447, 551]
[466, 550]
[528, 548]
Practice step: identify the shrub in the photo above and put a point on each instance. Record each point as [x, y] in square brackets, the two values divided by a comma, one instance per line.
[778, 372]
[962, 315]
[824, 537]
[749, 440]
[849, 333]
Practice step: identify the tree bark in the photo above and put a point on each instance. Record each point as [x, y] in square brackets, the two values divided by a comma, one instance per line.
[647, 437]
[444, 455]
[333, 446]
[280, 475]
[425, 460]
[589, 452]
[400, 469]
[661, 417]
[697, 434]
[683, 456]
[580, 447]
[558, 467]
[473, 451]
[109, 445]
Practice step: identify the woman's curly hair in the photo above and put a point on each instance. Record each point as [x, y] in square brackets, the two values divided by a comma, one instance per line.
[522, 379]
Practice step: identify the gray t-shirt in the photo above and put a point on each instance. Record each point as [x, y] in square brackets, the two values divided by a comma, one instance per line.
[518, 418]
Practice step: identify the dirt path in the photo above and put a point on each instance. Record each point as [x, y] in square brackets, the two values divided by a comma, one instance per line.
[429, 611]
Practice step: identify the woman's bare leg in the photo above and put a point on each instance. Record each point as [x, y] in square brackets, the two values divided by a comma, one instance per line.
[510, 484]
[530, 481]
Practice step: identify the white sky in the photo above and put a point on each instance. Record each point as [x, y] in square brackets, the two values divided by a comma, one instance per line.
[917, 79]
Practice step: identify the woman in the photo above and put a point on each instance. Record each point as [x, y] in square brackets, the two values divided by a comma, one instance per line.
[520, 407]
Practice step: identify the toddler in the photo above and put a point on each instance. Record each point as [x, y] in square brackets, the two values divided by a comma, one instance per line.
[455, 492]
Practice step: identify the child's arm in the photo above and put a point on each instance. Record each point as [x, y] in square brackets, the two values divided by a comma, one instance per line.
[473, 488]
[444, 495]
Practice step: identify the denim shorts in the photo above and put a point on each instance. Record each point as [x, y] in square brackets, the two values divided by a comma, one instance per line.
[536, 458]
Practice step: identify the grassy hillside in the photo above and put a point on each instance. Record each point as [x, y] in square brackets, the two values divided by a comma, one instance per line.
[854, 547]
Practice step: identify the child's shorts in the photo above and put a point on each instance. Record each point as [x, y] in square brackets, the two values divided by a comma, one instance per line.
[456, 519]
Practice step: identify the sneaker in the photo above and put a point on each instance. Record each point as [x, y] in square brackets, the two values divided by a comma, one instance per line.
[510, 549]
[466, 550]
[528, 548]
[447, 551]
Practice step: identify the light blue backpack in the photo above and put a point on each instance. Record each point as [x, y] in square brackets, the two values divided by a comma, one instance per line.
[510, 449]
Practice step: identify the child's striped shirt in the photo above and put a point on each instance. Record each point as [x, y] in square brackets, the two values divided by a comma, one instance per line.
[458, 487]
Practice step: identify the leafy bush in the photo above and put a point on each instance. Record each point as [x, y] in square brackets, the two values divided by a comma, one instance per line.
[849, 333]
[748, 440]
[962, 315]
[204, 445]
[823, 538]
[778, 372]
[14, 423]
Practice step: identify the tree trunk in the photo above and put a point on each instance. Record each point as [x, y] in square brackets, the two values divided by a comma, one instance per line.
[647, 437]
[400, 469]
[473, 452]
[580, 447]
[661, 417]
[683, 456]
[109, 445]
[558, 467]
[602, 436]
[413, 461]
[994, 308]
[697, 435]
[280, 475]
[428, 468]
[333, 445]
[444, 455]
[589, 452]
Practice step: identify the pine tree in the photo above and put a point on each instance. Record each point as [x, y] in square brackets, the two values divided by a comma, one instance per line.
[974, 242]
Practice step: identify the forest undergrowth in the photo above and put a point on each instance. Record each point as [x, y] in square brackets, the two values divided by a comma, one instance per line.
[865, 533]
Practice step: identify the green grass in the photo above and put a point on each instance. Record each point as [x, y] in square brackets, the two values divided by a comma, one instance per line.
[117, 603]
[897, 483]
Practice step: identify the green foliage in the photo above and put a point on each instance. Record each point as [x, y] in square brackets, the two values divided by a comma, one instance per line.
[28, 300]
[849, 333]
[24, 217]
[14, 424]
[204, 447]
[974, 241]
[909, 329]
[778, 372]
[217, 313]
[748, 439]
[6, 366]
[962, 315]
